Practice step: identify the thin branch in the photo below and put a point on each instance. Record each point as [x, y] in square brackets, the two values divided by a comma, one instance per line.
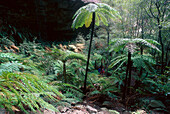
[164, 10]
[150, 9]
[147, 13]
[158, 8]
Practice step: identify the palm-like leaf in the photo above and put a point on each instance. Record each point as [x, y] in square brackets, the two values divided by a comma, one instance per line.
[118, 43]
[139, 61]
[64, 56]
[144, 61]
[84, 14]
[75, 56]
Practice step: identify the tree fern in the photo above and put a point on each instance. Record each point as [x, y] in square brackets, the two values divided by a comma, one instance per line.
[93, 13]
[131, 45]
[139, 60]
[145, 61]
[83, 16]
[64, 56]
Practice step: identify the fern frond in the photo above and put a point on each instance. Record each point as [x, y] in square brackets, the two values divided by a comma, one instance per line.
[120, 65]
[109, 8]
[144, 61]
[22, 89]
[117, 61]
[11, 66]
[75, 56]
[118, 43]
[84, 14]
[8, 56]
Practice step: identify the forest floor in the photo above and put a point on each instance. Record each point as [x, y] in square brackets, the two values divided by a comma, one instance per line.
[96, 105]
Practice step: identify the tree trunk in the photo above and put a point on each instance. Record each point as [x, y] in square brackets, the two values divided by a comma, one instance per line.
[108, 39]
[95, 65]
[125, 84]
[130, 67]
[64, 72]
[126, 78]
[162, 46]
[141, 49]
[88, 59]
[167, 56]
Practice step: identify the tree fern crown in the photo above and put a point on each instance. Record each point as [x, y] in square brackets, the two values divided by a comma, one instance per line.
[102, 11]
[130, 44]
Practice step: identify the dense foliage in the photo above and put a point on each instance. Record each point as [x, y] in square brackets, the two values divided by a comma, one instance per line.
[127, 63]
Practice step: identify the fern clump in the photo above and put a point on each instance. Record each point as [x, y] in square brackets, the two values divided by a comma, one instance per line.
[21, 90]
[63, 57]
[4, 57]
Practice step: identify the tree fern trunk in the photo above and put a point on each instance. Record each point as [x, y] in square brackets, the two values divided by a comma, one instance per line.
[166, 59]
[127, 80]
[125, 83]
[85, 80]
[162, 45]
[130, 67]
[95, 65]
[64, 72]
[108, 39]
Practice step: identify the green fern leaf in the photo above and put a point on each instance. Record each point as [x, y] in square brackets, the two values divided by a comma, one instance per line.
[97, 22]
[103, 19]
[88, 20]
[84, 14]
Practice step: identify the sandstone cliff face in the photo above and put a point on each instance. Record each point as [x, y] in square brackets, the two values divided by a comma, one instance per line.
[47, 19]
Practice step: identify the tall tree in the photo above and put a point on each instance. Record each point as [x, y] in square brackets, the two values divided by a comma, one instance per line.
[157, 10]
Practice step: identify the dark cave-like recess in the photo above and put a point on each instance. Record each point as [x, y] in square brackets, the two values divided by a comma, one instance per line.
[47, 19]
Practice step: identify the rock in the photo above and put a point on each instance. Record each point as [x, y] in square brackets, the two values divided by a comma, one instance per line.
[66, 104]
[80, 106]
[120, 109]
[79, 112]
[72, 46]
[62, 109]
[104, 109]
[126, 112]
[69, 111]
[81, 46]
[113, 112]
[139, 112]
[48, 112]
[65, 109]
[91, 109]
[107, 103]
[103, 112]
